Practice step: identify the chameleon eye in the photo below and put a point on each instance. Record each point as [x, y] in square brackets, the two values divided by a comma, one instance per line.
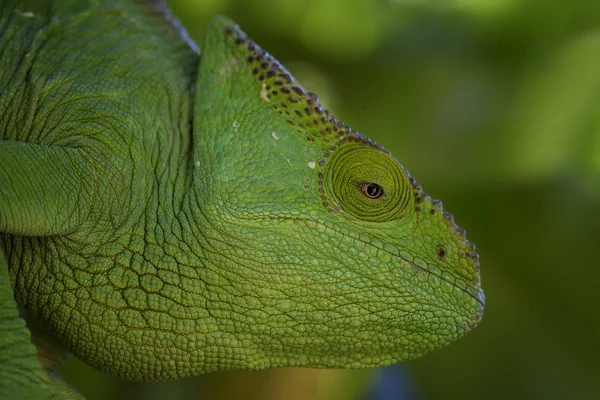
[376, 175]
[371, 190]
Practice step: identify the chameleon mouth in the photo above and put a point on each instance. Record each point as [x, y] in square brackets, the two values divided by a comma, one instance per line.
[472, 291]
[471, 316]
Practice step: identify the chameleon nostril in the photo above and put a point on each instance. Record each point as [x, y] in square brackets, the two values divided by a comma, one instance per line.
[441, 253]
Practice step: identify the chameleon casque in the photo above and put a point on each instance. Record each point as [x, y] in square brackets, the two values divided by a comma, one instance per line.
[165, 214]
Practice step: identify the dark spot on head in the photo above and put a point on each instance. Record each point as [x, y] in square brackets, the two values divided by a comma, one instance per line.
[441, 253]
[229, 31]
[268, 70]
[418, 209]
[432, 211]
[321, 163]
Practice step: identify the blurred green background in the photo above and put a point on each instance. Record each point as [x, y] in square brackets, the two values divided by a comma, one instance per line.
[493, 106]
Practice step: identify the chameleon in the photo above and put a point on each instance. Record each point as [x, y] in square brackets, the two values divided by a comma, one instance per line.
[166, 212]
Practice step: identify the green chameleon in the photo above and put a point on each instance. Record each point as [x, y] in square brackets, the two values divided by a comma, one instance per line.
[164, 215]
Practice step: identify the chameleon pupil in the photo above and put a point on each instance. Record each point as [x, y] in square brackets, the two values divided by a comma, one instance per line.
[373, 190]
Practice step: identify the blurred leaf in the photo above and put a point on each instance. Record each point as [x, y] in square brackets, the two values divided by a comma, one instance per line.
[337, 37]
[555, 110]
[487, 8]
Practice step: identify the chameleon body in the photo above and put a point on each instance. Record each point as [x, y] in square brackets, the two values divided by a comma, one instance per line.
[164, 214]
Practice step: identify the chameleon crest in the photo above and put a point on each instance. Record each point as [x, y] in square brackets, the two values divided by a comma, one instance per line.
[163, 216]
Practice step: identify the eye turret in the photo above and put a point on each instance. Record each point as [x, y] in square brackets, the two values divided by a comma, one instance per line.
[366, 183]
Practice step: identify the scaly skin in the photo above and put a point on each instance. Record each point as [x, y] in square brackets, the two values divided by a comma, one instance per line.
[163, 216]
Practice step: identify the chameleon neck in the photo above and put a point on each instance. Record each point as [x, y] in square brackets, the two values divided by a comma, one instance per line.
[142, 283]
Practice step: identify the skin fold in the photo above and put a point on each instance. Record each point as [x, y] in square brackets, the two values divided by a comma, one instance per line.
[165, 214]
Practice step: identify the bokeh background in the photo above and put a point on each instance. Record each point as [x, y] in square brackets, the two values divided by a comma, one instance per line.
[494, 107]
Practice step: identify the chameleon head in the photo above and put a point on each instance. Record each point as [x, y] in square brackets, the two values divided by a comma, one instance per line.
[328, 251]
